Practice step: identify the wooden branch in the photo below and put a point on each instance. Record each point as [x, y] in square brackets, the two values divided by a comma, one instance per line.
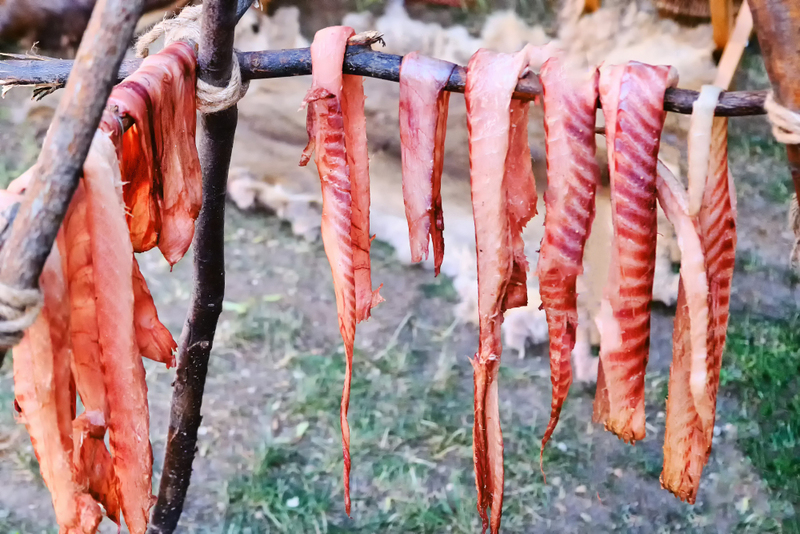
[363, 61]
[215, 147]
[721, 22]
[67, 143]
[732, 54]
[777, 24]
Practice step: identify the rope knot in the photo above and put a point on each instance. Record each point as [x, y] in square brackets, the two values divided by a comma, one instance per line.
[186, 27]
[19, 309]
[785, 122]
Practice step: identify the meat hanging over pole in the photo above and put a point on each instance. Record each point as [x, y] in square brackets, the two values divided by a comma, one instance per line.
[123, 371]
[160, 166]
[36, 385]
[339, 144]
[154, 340]
[632, 96]
[690, 413]
[94, 467]
[503, 201]
[86, 358]
[569, 101]
[423, 126]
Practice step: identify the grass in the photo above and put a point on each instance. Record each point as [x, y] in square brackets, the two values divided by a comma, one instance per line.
[762, 372]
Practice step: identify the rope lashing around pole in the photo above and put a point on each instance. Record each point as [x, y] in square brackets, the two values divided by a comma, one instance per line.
[19, 309]
[186, 27]
[786, 129]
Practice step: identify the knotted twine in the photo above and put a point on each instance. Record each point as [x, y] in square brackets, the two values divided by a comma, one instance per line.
[186, 27]
[786, 129]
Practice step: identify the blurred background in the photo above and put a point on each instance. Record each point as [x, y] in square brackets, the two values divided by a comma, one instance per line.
[269, 457]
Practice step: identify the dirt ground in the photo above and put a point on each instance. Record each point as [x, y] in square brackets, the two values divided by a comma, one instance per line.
[269, 451]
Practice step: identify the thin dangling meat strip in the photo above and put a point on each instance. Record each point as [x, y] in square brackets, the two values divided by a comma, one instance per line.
[569, 101]
[423, 126]
[632, 96]
[337, 138]
[503, 201]
[158, 156]
[694, 377]
[41, 361]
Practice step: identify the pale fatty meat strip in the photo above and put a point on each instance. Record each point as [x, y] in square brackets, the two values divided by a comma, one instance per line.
[632, 97]
[503, 200]
[339, 144]
[423, 127]
[684, 440]
[160, 166]
[688, 437]
[123, 371]
[36, 386]
[153, 338]
[569, 101]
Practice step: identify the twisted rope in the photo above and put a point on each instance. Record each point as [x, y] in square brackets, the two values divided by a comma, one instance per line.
[785, 122]
[19, 309]
[786, 129]
[186, 27]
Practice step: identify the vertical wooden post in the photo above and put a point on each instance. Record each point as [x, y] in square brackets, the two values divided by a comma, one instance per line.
[735, 47]
[216, 144]
[777, 24]
[721, 21]
[68, 139]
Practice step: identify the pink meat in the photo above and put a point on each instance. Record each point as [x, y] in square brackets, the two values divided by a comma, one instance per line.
[123, 371]
[423, 126]
[684, 440]
[326, 138]
[154, 340]
[355, 140]
[37, 362]
[632, 97]
[717, 219]
[86, 359]
[160, 166]
[572, 175]
[503, 200]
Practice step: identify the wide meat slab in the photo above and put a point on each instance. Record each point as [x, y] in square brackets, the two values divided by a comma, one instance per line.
[632, 96]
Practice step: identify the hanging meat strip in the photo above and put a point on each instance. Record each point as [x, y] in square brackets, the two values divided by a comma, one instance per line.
[154, 340]
[632, 96]
[38, 360]
[341, 160]
[690, 413]
[86, 360]
[503, 201]
[569, 101]
[123, 371]
[423, 126]
[94, 468]
[160, 166]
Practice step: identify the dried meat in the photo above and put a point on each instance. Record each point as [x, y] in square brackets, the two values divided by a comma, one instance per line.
[632, 96]
[423, 127]
[160, 166]
[569, 101]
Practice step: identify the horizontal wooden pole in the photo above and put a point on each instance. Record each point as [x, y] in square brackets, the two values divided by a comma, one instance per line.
[363, 61]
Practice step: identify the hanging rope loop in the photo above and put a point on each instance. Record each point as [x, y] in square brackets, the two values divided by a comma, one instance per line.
[186, 27]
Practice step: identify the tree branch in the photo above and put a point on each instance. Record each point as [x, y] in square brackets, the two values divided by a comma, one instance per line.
[363, 61]
[215, 147]
[777, 24]
[67, 143]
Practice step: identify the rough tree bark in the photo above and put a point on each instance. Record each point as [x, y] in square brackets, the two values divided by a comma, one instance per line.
[777, 24]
